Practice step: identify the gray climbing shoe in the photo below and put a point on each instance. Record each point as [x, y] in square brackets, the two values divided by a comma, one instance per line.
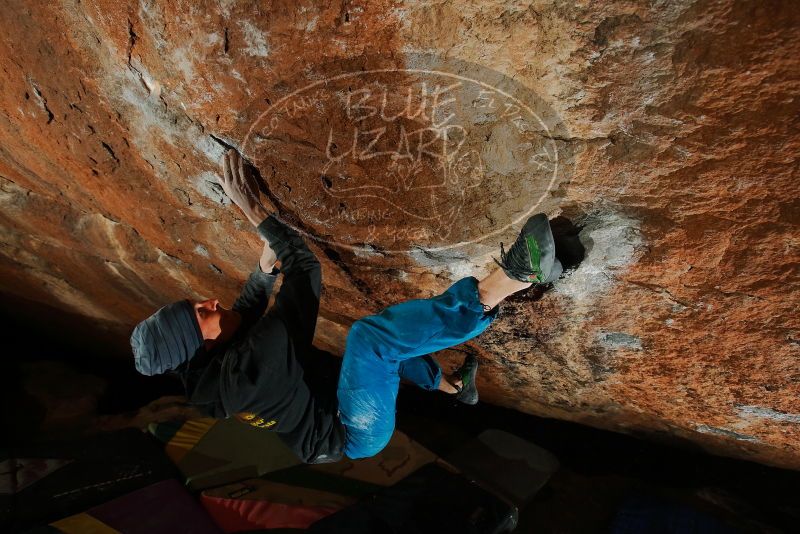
[532, 257]
[468, 392]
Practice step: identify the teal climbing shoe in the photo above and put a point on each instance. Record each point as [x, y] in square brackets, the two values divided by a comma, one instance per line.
[468, 392]
[532, 257]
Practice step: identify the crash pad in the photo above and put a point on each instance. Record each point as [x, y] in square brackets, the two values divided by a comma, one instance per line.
[213, 452]
[299, 496]
[165, 506]
[507, 464]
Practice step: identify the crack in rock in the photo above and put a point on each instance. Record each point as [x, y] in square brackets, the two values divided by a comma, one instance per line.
[42, 101]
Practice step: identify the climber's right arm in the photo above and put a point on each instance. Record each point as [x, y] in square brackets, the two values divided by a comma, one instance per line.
[298, 300]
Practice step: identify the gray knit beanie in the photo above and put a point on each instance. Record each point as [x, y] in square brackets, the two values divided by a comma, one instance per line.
[166, 339]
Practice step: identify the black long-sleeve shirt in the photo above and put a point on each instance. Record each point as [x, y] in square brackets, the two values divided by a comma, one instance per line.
[259, 375]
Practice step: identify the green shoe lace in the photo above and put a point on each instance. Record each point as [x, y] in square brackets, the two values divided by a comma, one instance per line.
[522, 260]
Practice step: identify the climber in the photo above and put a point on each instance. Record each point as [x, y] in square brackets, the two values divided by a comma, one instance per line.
[240, 362]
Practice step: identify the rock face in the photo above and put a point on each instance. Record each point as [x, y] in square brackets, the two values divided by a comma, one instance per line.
[407, 141]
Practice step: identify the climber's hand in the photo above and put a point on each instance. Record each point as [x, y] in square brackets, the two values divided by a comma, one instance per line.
[268, 259]
[240, 185]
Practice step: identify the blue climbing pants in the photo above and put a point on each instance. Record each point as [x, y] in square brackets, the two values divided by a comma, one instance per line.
[393, 344]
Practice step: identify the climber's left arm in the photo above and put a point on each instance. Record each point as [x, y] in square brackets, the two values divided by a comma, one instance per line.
[254, 298]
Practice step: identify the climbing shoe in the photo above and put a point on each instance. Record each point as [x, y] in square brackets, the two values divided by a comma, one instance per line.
[468, 392]
[532, 257]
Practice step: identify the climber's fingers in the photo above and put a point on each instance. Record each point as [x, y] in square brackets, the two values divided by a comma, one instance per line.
[245, 177]
[235, 168]
[226, 167]
[242, 175]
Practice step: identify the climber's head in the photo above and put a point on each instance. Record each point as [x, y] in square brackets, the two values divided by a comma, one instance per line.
[178, 332]
[217, 324]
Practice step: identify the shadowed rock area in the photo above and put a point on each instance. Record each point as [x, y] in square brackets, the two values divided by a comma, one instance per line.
[406, 142]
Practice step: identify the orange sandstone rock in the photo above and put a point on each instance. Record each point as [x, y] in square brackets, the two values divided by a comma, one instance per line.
[407, 141]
